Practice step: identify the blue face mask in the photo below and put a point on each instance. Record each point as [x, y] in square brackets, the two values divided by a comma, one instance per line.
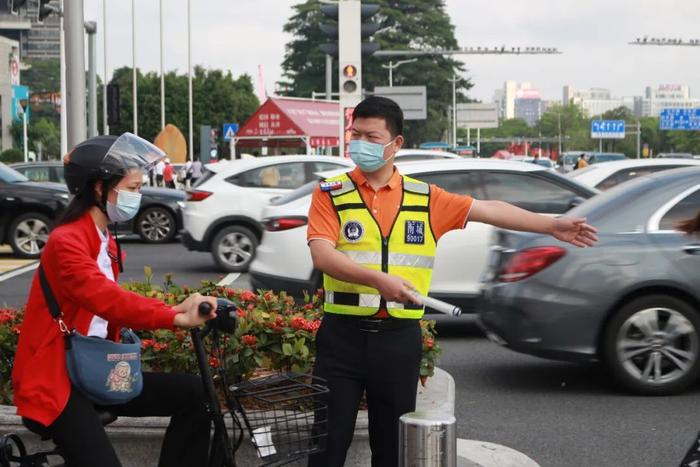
[126, 208]
[369, 157]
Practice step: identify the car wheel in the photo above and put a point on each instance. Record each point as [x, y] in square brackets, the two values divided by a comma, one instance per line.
[156, 225]
[234, 248]
[652, 345]
[28, 234]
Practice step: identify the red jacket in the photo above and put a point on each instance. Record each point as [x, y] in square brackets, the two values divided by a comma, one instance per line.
[168, 173]
[39, 377]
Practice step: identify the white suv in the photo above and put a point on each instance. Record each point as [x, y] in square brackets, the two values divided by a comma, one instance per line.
[284, 262]
[224, 209]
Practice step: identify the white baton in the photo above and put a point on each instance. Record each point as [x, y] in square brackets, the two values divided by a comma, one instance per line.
[439, 305]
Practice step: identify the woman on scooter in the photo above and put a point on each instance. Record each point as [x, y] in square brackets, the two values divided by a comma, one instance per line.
[82, 262]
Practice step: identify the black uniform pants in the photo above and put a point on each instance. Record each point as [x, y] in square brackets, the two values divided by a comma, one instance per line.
[356, 355]
[80, 436]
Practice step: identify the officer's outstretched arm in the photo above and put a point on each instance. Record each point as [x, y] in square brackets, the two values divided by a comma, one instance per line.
[332, 262]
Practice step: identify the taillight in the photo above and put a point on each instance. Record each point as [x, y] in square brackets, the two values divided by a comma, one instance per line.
[525, 263]
[198, 195]
[277, 224]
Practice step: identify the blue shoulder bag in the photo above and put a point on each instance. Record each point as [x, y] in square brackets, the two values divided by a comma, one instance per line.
[107, 372]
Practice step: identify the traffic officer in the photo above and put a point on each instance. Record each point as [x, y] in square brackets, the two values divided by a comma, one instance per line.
[373, 233]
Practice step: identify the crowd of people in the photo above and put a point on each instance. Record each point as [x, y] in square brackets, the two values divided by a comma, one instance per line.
[181, 176]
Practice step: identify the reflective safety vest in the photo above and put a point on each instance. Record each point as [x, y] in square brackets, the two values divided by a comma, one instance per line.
[408, 252]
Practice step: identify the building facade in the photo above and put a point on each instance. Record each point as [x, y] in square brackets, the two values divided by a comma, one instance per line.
[505, 98]
[665, 96]
[595, 101]
[36, 41]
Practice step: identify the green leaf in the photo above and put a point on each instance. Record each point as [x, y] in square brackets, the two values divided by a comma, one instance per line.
[287, 349]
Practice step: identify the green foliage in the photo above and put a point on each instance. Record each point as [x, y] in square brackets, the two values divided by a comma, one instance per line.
[43, 130]
[8, 156]
[218, 98]
[425, 24]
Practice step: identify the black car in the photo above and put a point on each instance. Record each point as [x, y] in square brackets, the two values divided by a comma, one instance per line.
[27, 210]
[160, 215]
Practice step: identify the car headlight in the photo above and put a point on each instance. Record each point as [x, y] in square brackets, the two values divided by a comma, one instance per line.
[181, 204]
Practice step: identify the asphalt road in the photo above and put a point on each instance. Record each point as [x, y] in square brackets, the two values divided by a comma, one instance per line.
[559, 414]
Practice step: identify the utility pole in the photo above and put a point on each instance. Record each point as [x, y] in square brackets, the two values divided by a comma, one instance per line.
[23, 103]
[75, 70]
[134, 84]
[64, 93]
[91, 30]
[105, 124]
[190, 152]
[559, 133]
[639, 139]
[162, 71]
[454, 109]
[392, 65]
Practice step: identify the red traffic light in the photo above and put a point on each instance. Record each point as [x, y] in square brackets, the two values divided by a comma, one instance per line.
[350, 71]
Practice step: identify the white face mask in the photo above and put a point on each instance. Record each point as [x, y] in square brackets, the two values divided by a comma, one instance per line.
[126, 207]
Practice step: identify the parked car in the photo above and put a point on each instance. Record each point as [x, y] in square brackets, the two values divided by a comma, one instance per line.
[159, 218]
[674, 155]
[609, 174]
[568, 159]
[284, 262]
[542, 161]
[27, 210]
[632, 301]
[405, 155]
[224, 209]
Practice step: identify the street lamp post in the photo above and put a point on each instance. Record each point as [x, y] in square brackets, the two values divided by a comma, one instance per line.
[105, 124]
[162, 71]
[189, 81]
[133, 66]
[392, 65]
[91, 29]
[75, 70]
[454, 109]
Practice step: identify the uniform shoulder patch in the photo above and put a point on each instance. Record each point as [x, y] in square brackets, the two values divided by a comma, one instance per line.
[331, 186]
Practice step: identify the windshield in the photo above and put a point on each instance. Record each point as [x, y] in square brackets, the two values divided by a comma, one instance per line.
[606, 157]
[9, 175]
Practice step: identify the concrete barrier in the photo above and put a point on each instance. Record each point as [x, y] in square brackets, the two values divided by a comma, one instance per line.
[137, 440]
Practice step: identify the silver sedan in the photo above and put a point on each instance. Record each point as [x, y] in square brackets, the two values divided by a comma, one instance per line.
[632, 301]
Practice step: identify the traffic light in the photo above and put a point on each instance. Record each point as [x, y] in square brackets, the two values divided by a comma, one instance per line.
[214, 142]
[366, 29]
[15, 5]
[44, 10]
[113, 104]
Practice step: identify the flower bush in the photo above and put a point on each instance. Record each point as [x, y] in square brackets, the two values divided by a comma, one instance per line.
[275, 333]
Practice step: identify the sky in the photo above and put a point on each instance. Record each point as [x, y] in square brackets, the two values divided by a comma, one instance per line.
[245, 36]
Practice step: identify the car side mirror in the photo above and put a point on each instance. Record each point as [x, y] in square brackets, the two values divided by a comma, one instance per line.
[575, 201]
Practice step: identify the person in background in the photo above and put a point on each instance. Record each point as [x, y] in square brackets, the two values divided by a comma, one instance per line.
[536, 159]
[168, 174]
[196, 171]
[188, 174]
[581, 163]
[159, 168]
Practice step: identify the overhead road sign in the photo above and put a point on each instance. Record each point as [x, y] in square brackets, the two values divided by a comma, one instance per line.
[679, 119]
[608, 129]
[477, 116]
[412, 100]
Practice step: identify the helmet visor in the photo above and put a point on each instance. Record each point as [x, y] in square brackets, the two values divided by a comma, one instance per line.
[130, 152]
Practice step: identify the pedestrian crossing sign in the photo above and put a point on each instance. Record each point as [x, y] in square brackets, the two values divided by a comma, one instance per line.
[230, 130]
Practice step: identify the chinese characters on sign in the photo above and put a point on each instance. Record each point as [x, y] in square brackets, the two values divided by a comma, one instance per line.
[679, 119]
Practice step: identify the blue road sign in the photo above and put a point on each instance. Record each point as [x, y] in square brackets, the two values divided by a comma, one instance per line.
[230, 130]
[605, 129]
[679, 119]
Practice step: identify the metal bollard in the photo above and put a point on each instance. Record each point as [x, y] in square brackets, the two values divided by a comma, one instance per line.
[427, 439]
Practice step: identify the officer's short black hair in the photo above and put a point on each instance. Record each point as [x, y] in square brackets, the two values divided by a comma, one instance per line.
[381, 107]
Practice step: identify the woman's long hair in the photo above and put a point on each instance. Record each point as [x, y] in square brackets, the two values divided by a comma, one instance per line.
[83, 201]
[690, 226]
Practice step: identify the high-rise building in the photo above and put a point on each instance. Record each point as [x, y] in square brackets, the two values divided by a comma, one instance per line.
[36, 41]
[505, 98]
[595, 101]
[528, 105]
[665, 96]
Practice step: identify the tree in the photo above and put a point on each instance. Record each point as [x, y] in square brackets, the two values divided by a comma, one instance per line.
[43, 78]
[218, 98]
[44, 131]
[569, 121]
[423, 24]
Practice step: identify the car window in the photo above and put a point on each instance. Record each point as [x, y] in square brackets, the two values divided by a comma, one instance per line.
[206, 175]
[525, 190]
[10, 175]
[688, 207]
[623, 175]
[58, 171]
[287, 175]
[462, 183]
[317, 167]
[36, 174]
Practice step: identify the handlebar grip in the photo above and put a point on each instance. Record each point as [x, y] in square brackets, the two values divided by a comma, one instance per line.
[204, 309]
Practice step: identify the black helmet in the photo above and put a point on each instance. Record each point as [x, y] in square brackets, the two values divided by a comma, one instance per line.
[104, 157]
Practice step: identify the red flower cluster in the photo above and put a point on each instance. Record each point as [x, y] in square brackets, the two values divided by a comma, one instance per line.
[249, 340]
[214, 362]
[7, 315]
[152, 343]
[299, 322]
[248, 296]
[429, 343]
